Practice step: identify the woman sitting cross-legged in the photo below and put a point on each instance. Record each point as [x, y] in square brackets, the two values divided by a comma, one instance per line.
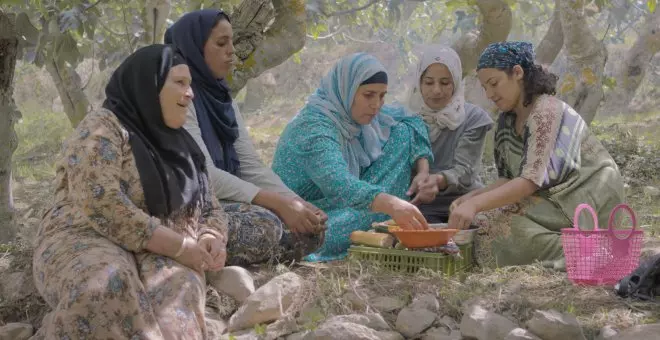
[267, 221]
[351, 156]
[122, 252]
[457, 129]
[547, 160]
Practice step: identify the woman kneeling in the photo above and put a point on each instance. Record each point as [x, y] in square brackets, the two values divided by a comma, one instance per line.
[547, 160]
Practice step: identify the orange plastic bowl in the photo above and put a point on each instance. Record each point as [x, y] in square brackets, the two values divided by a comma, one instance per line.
[424, 238]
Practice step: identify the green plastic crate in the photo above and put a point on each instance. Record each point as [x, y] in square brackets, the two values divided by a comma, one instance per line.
[411, 261]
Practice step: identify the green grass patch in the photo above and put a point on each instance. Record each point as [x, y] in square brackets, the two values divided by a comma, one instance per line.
[40, 135]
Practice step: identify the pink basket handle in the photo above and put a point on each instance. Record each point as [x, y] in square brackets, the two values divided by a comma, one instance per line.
[610, 221]
[579, 209]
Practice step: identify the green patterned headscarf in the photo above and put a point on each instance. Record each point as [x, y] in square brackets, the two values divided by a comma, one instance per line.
[507, 54]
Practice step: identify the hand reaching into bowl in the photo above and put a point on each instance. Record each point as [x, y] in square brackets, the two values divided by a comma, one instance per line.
[404, 214]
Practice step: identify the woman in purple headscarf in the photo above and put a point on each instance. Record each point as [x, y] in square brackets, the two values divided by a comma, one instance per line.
[547, 160]
[267, 221]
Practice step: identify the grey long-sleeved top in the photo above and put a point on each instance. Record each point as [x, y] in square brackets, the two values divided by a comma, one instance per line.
[457, 154]
[253, 175]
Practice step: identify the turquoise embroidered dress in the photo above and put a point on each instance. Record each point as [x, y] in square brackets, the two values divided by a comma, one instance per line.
[340, 166]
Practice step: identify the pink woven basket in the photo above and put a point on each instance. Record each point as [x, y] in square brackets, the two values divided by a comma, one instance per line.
[601, 257]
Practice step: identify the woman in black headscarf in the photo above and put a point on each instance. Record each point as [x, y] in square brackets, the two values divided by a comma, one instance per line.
[122, 252]
[263, 213]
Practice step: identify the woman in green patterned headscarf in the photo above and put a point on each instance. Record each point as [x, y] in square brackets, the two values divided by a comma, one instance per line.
[547, 160]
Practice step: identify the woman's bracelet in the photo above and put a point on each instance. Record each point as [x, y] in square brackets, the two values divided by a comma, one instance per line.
[181, 248]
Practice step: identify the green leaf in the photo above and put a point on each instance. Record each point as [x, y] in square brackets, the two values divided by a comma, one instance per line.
[452, 5]
[609, 82]
[25, 29]
[296, 58]
[651, 4]
[260, 329]
[53, 27]
[70, 20]
[66, 49]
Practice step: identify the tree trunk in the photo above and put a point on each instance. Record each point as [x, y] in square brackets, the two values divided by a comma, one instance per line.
[154, 18]
[551, 44]
[630, 74]
[8, 117]
[581, 84]
[69, 86]
[259, 51]
[496, 20]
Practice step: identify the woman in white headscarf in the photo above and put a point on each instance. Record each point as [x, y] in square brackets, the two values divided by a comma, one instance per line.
[457, 129]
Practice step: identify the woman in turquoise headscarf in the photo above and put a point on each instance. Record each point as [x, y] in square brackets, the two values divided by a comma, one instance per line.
[547, 160]
[353, 157]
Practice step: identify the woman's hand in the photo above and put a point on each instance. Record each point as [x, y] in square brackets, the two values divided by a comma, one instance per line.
[217, 248]
[459, 201]
[298, 216]
[318, 212]
[416, 183]
[426, 190]
[193, 256]
[462, 216]
[404, 214]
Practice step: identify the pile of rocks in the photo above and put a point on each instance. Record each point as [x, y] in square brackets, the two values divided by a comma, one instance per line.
[238, 311]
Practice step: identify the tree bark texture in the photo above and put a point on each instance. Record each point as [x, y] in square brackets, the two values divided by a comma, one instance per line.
[630, 74]
[154, 18]
[581, 86]
[259, 47]
[69, 86]
[9, 115]
[496, 21]
[553, 40]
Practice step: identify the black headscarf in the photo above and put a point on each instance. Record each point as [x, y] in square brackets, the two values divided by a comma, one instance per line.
[213, 102]
[170, 164]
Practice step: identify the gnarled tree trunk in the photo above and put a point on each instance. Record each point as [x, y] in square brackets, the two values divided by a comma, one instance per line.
[496, 21]
[495, 26]
[69, 86]
[631, 72]
[8, 117]
[259, 51]
[581, 84]
[553, 40]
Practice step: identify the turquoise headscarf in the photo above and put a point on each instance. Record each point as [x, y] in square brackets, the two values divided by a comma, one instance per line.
[363, 143]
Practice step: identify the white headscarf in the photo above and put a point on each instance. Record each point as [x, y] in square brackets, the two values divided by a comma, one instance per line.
[452, 115]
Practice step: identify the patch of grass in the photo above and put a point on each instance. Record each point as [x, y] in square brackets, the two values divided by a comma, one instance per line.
[515, 292]
[40, 135]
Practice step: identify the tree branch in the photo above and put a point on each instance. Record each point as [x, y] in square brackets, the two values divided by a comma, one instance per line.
[352, 10]
[581, 85]
[348, 37]
[260, 51]
[631, 72]
[94, 4]
[553, 41]
[496, 21]
[328, 36]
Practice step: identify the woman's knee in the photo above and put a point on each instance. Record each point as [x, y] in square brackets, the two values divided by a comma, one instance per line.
[253, 224]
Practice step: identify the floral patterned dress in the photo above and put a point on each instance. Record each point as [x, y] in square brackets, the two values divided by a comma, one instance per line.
[90, 261]
[559, 154]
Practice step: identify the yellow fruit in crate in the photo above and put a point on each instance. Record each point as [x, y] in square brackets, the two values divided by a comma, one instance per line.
[393, 228]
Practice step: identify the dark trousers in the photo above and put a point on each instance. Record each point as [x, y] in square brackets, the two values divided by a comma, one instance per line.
[438, 210]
